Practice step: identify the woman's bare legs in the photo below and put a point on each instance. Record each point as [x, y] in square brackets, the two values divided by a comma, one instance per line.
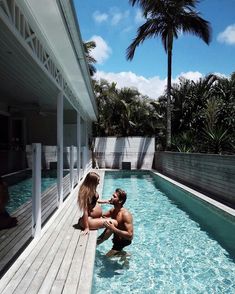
[97, 223]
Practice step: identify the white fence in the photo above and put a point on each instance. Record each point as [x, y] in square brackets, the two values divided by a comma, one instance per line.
[112, 152]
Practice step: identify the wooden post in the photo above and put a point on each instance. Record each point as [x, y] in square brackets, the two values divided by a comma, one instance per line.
[78, 145]
[36, 190]
[84, 159]
[71, 166]
[60, 147]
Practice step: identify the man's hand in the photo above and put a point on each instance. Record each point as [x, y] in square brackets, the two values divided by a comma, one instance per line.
[109, 225]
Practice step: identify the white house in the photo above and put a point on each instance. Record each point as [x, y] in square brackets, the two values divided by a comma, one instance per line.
[46, 94]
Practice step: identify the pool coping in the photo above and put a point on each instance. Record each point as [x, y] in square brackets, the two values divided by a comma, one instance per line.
[200, 195]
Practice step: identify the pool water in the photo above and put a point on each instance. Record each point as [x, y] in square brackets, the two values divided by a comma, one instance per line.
[171, 251]
[21, 192]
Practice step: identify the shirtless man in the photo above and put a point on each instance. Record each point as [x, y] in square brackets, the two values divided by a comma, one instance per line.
[123, 233]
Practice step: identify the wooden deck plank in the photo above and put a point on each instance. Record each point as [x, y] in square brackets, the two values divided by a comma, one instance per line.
[87, 271]
[59, 282]
[23, 265]
[25, 216]
[13, 240]
[32, 269]
[57, 262]
[45, 276]
[73, 277]
[60, 261]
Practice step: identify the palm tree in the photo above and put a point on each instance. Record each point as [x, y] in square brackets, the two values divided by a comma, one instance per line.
[167, 19]
[88, 47]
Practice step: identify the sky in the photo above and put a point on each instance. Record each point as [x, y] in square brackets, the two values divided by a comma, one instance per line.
[113, 24]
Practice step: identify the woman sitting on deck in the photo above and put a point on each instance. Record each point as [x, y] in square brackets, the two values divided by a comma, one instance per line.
[88, 200]
[6, 221]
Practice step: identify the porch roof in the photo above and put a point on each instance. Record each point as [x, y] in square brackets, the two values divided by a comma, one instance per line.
[34, 79]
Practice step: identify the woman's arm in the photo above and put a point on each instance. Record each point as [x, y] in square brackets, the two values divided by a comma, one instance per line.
[103, 201]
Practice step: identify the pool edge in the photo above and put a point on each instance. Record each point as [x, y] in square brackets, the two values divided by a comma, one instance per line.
[197, 194]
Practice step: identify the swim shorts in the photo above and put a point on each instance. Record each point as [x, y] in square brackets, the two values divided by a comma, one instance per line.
[119, 244]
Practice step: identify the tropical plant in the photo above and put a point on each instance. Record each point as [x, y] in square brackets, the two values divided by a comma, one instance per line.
[206, 110]
[216, 136]
[168, 19]
[88, 47]
[184, 142]
[188, 101]
[217, 139]
[107, 97]
[125, 112]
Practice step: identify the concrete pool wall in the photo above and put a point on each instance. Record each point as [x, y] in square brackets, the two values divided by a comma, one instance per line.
[211, 174]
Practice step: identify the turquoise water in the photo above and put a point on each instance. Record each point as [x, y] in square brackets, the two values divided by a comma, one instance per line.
[181, 245]
[21, 192]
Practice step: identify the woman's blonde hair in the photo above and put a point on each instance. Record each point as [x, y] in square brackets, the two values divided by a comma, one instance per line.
[88, 189]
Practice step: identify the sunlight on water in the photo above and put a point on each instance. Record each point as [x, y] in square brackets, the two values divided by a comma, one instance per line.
[170, 253]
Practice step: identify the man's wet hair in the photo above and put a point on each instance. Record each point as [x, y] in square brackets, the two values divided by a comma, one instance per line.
[121, 195]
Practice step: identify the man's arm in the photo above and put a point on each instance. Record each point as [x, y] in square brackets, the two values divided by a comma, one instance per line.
[107, 213]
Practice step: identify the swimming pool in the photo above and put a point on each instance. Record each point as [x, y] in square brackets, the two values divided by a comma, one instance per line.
[181, 244]
[21, 192]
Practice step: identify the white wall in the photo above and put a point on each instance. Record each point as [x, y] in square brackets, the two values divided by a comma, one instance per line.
[110, 152]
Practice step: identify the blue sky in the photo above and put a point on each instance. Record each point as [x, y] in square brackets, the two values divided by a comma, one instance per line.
[113, 25]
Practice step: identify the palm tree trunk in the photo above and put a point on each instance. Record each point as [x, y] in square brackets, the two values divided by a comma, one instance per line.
[168, 111]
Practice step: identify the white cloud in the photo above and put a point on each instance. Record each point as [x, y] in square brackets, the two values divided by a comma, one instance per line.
[220, 75]
[102, 51]
[152, 87]
[127, 29]
[190, 75]
[228, 35]
[100, 17]
[118, 16]
[139, 18]
[114, 16]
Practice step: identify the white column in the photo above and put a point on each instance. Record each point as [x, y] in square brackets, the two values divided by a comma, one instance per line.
[60, 147]
[78, 145]
[71, 166]
[36, 189]
[86, 147]
[84, 159]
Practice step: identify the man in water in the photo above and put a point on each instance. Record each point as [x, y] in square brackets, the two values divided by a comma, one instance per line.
[123, 233]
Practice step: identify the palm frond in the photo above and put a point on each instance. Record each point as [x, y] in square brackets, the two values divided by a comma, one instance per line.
[151, 28]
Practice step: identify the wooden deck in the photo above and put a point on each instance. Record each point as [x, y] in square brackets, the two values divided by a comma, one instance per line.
[14, 240]
[60, 261]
